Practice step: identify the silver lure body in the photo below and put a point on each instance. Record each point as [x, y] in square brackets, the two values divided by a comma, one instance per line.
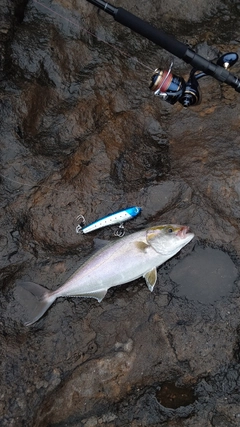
[136, 255]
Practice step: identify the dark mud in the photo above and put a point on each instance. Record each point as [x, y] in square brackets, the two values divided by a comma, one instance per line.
[82, 134]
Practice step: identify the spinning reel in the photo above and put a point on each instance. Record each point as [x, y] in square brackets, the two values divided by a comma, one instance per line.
[172, 88]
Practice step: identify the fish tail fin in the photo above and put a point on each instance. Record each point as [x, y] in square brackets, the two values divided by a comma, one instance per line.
[37, 301]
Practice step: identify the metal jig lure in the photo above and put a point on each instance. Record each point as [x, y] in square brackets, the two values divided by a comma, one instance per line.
[118, 217]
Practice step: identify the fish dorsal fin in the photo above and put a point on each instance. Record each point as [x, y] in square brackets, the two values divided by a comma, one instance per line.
[100, 243]
[151, 278]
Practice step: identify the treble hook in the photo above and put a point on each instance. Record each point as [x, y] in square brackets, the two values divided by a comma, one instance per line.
[120, 231]
[81, 225]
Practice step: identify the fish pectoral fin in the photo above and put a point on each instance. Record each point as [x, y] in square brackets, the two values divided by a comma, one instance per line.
[141, 246]
[151, 278]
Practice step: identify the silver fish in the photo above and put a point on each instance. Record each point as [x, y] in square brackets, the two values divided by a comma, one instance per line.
[136, 255]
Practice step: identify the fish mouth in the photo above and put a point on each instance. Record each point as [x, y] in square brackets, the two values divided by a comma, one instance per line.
[182, 232]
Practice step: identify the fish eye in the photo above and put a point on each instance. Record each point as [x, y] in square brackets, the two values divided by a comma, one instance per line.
[170, 230]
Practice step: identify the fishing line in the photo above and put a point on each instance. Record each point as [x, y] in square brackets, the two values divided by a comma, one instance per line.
[18, 182]
[33, 185]
[80, 27]
[117, 197]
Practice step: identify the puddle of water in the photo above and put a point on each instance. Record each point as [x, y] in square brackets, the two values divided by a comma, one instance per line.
[173, 397]
[205, 275]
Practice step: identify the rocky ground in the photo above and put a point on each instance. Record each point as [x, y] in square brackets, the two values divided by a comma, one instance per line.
[82, 134]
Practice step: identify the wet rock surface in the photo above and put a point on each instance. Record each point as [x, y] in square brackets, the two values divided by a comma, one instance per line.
[82, 134]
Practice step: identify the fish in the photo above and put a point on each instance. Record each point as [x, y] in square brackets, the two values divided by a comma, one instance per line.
[114, 218]
[118, 262]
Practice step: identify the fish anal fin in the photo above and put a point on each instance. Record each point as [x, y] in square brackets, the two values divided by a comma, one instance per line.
[98, 294]
[151, 278]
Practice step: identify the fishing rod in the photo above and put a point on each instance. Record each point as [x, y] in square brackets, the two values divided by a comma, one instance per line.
[164, 83]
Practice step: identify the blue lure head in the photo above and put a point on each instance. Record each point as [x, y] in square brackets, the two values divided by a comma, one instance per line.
[133, 211]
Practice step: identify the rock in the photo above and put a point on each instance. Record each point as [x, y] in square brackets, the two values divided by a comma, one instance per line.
[82, 134]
